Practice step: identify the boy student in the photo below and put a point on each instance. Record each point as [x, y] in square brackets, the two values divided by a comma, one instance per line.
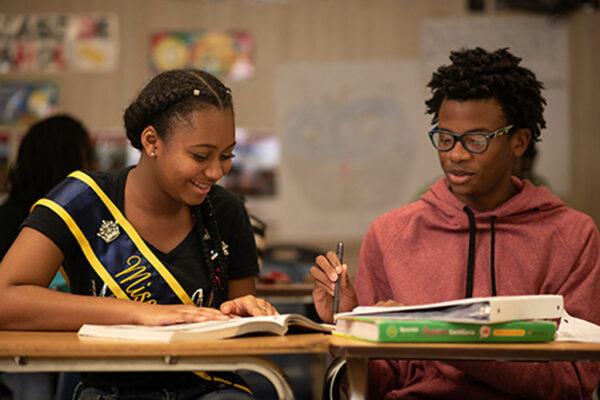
[477, 232]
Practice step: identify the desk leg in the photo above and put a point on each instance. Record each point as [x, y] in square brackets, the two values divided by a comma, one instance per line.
[318, 366]
[256, 364]
[357, 371]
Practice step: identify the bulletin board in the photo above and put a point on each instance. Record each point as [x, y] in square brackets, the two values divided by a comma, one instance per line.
[58, 42]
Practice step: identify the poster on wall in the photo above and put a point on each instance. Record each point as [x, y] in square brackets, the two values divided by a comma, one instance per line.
[112, 150]
[254, 167]
[226, 54]
[47, 43]
[24, 102]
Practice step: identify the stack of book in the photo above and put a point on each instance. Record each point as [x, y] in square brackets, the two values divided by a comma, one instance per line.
[481, 319]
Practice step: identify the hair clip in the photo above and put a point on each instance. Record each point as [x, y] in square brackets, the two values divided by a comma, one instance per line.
[196, 92]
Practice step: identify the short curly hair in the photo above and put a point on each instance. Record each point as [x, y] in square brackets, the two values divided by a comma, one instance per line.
[477, 74]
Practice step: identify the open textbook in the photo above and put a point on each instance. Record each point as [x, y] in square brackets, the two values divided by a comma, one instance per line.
[483, 310]
[209, 330]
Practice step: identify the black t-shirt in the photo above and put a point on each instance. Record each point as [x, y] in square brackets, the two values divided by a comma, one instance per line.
[186, 261]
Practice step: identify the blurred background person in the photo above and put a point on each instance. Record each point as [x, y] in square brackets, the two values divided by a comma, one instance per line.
[50, 150]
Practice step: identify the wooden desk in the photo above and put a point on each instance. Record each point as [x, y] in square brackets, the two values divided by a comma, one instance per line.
[357, 354]
[297, 298]
[65, 351]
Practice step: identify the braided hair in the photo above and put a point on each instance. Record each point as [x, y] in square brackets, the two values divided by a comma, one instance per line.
[170, 97]
[477, 74]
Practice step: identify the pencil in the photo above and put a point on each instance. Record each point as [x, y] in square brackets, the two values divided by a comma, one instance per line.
[339, 251]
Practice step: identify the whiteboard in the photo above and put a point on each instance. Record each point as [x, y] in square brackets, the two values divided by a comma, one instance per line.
[354, 145]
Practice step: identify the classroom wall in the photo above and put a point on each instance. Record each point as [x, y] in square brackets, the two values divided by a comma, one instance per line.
[585, 104]
[310, 31]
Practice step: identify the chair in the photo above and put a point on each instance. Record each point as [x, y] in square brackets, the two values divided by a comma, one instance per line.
[67, 381]
[333, 378]
[292, 259]
[5, 392]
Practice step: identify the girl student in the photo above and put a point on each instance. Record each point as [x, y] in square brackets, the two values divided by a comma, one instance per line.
[161, 233]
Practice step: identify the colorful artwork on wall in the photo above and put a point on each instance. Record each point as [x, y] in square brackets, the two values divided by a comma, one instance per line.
[113, 151]
[228, 55]
[25, 102]
[46, 43]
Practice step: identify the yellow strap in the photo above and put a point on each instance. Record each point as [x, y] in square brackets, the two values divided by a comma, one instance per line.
[99, 268]
[129, 229]
[135, 237]
[85, 246]
[210, 378]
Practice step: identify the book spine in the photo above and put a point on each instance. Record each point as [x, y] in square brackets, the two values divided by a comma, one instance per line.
[441, 331]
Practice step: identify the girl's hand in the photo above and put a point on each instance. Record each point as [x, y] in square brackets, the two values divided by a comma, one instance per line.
[248, 305]
[176, 314]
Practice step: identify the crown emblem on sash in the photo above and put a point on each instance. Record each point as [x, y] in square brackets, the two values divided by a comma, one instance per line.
[225, 248]
[109, 231]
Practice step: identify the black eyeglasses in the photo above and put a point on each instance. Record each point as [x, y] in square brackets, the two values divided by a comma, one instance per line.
[474, 142]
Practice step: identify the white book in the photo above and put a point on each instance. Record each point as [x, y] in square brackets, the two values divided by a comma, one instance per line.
[483, 310]
[209, 330]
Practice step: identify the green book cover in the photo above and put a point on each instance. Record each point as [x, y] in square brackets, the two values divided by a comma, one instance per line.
[402, 330]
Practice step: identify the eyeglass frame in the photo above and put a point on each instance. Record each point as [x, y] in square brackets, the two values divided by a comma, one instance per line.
[459, 138]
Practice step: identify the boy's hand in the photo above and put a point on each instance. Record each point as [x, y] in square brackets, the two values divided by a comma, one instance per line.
[326, 271]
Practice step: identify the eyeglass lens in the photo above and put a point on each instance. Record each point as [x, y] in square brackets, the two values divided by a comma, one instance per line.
[473, 142]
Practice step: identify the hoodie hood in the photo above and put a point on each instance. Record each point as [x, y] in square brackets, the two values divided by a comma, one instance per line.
[419, 253]
[528, 202]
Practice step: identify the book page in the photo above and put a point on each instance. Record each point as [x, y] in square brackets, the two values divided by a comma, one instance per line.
[275, 324]
[476, 312]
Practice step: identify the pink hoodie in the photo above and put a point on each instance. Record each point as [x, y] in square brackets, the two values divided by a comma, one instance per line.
[419, 254]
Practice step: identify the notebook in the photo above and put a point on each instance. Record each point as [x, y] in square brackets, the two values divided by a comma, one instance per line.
[483, 310]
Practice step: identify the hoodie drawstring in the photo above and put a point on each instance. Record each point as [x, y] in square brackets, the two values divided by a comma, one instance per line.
[471, 254]
[493, 254]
